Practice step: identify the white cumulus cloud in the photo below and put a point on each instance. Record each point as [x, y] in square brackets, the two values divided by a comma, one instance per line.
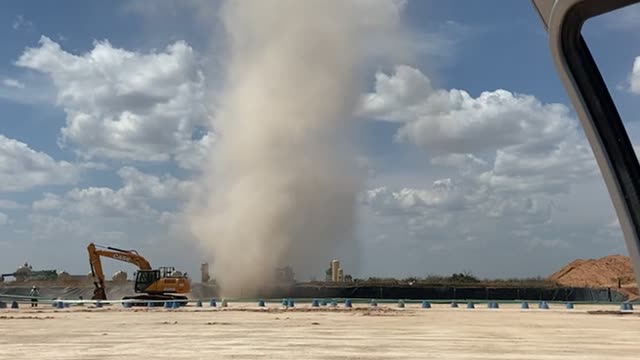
[452, 121]
[143, 213]
[529, 146]
[443, 195]
[20, 22]
[48, 202]
[135, 198]
[127, 105]
[505, 161]
[12, 83]
[22, 168]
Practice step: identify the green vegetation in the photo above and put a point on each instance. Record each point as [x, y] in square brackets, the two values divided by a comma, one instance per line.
[465, 278]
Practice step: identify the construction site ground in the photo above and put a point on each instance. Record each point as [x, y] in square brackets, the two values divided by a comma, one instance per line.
[608, 271]
[245, 331]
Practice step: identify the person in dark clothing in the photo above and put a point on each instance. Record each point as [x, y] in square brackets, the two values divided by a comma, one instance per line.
[34, 293]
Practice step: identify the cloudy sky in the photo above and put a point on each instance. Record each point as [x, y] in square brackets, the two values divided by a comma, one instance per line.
[475, 158]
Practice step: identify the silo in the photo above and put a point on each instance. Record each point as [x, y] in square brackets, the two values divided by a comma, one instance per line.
[204, 272]
[335, 265]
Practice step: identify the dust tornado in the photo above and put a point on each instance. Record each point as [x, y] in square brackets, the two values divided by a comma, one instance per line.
[281, 182]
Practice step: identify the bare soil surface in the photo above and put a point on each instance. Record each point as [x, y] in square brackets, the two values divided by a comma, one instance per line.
[243, 331]
[599, 273]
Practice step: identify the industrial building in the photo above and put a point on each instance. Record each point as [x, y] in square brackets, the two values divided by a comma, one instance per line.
[337, 274]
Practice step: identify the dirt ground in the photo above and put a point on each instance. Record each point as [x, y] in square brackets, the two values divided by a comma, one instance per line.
[609, 271]
[243, 331]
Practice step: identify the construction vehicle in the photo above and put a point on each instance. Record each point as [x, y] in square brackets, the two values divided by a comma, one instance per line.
[162, 284]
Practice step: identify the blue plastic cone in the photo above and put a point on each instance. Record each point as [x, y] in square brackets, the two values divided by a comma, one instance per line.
[285, 302]
[524, 305]
[212, 303]
[543, 305]
[630, 306]
[347, 303]
[470, 305]
[569, 305]
[624, 306]
[315, 303]
[426, 304]
[261, 303]
[291, 303]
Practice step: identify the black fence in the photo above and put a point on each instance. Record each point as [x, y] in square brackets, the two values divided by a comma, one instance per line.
[452, 293]
[200, 291]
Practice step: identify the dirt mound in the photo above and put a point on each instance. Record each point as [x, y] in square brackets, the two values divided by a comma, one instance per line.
[597, 273]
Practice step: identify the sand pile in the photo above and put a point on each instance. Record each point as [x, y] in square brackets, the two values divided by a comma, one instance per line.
[597, 273]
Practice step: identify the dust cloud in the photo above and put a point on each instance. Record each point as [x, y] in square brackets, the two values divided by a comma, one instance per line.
[282, 179]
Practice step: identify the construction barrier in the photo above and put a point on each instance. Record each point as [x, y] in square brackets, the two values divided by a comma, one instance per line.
[353, 291]
[457, 293]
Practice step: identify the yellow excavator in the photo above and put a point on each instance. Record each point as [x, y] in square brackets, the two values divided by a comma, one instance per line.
[161, 284]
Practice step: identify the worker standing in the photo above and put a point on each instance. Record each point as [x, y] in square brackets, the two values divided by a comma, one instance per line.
[34, 293]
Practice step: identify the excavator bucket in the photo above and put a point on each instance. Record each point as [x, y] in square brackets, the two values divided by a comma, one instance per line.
[99, 294]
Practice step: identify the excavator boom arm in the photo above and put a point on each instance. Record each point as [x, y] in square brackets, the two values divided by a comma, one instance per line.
[130, 256]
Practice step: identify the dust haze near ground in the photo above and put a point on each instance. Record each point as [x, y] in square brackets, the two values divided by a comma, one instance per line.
[282, 181]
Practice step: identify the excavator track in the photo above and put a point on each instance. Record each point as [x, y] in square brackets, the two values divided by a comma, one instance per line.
[143, 300]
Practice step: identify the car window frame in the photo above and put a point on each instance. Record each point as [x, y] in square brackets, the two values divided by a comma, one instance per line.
[596, 110]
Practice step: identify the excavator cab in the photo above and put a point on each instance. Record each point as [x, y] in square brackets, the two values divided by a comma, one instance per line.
[160, 281]
[144, 279]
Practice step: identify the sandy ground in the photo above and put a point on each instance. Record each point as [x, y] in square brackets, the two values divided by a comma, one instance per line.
[243, 331]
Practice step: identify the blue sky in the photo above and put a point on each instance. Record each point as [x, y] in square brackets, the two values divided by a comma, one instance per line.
[510, 207]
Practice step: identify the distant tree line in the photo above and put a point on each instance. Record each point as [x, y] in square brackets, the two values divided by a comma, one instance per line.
[465, 278]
